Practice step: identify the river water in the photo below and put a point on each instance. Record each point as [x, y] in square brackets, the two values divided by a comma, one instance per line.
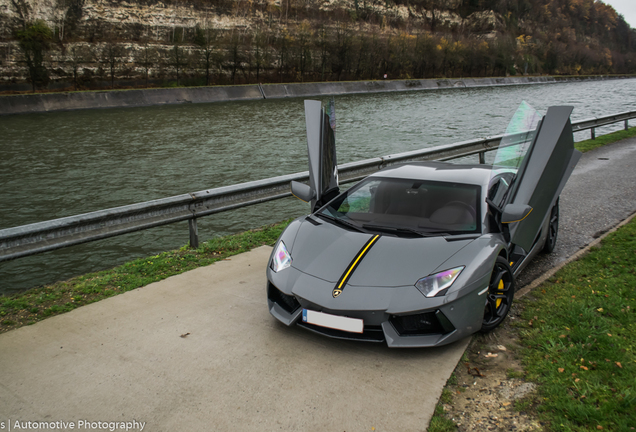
[66, 163]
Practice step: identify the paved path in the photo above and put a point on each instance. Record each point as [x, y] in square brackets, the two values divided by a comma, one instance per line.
[238, 369]
[124, 359]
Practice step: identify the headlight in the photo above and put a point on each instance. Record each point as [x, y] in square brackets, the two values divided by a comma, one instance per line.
[282, 259]
[438, 284]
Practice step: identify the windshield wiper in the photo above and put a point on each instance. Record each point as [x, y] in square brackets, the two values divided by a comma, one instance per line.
[396, 230]
[460, 237]
[341, 222]
[457, 235]
[440, 233]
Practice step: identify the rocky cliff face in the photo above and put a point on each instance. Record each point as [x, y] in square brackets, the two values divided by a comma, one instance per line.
[85, 26]
[86, 19]
[235, 41]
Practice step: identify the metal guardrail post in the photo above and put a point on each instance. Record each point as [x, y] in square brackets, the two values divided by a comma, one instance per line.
[593, 133]
[194, 233]
[482, 157]
[626, 124]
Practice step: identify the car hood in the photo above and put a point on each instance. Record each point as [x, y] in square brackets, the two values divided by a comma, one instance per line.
[326, 251]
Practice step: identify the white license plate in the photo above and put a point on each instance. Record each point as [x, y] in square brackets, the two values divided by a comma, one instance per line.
[352, 325]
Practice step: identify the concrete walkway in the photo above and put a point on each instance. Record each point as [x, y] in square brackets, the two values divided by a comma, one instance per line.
[124, 359]
[238, 369]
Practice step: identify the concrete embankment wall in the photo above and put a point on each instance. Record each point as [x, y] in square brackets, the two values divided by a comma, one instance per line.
[46, 102]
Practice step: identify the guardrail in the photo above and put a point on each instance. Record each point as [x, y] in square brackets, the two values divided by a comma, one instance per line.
[45, 236]
[593, 123]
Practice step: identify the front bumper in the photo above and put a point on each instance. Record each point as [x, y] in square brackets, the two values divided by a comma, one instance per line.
[399, 316]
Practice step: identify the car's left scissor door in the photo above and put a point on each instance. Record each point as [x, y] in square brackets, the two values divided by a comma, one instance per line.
[550, 160]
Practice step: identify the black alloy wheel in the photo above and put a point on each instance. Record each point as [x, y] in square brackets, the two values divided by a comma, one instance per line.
[501, 291]
[553, 230]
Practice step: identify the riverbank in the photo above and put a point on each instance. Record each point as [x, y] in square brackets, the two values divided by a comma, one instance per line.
[49, 102]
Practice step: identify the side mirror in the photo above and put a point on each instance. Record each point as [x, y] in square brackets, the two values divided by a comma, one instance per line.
[515, 213]
[302, 191]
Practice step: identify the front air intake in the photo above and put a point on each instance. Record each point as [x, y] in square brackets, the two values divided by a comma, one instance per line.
[421, 324]
[287, 302]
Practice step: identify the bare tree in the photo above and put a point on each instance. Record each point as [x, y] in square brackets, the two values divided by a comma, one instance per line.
[206, 40]
[235, 56]
[248, 56]
[342, 47]
[177, 58]
[283, 42]
[111, 55]
[146, 58]
[261, 51]
[323, 46]
[303, 44]
[363, 54]
[77, 56]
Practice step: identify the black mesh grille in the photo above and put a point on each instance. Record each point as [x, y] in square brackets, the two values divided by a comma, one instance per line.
[369, 333]
[421, 324]
[287, 302]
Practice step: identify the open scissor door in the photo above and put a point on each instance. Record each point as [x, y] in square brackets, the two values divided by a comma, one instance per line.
[321, 149]
[542, 172]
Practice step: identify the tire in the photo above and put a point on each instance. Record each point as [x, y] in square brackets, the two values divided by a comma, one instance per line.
[553, 230]
[501, 291]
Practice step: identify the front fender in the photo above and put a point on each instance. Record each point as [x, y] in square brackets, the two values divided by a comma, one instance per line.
[479, 259]
[288, 236]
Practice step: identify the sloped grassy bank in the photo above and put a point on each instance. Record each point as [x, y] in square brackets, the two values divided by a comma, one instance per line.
[42, 302]
[583, 353]
[572, 339]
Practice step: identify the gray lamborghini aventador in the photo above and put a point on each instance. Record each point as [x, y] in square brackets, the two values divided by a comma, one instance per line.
[420, 254]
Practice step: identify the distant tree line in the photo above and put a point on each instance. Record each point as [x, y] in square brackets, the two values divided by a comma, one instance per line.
[297, 44]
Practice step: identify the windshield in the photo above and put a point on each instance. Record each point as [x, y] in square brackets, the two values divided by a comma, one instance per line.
[408, 207]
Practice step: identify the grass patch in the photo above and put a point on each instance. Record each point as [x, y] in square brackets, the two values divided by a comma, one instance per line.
[42, 302]
[447, 396]
[439, 423]
[582, 353]
[523, 405]
[512, 373]
[602, 140]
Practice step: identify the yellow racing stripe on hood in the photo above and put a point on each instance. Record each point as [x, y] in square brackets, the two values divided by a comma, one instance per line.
[352, 266]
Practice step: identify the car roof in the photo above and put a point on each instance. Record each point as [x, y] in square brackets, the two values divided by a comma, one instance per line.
[477, 174]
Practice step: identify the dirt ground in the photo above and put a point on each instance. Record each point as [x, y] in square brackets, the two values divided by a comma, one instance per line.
[488, 391]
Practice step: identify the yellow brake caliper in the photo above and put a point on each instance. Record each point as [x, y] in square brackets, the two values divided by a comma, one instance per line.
[500, 288]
